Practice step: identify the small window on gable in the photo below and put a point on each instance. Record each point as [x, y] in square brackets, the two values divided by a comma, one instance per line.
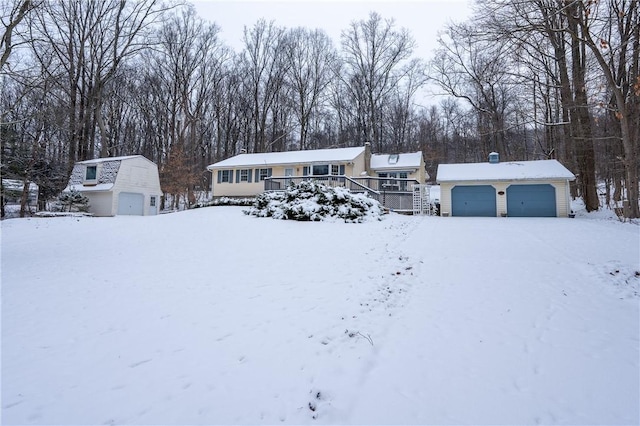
[91, 173]
[393, 158]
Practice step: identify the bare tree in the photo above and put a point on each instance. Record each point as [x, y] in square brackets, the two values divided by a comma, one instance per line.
[82, 44]
[266, 67]
[468, 67]
[13, 12]
[611, 31]
[373, 52]
[311, 57]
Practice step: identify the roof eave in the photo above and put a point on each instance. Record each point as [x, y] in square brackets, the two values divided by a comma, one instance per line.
[507, 179]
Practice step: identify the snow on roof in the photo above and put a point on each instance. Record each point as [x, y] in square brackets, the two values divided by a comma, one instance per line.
[89, 188]
[410, 160]
[289, 157]
[17, 185]
[102, 160]
[514, 170]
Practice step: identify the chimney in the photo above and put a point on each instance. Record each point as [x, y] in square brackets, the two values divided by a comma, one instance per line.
[494, 158]
[367, 157]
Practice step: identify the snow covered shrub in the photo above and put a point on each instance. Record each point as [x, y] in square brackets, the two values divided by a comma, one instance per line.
[227, 201]
[313, 201]
[73, 201]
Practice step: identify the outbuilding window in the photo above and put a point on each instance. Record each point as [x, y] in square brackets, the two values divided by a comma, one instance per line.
[91, 173]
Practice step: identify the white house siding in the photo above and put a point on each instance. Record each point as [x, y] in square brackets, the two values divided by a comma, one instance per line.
[563, 204]
[413, 163]
[100, 203]
[250, 189]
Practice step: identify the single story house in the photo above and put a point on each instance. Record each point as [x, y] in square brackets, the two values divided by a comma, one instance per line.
[516, 188]
[118, 185]
[244, 175]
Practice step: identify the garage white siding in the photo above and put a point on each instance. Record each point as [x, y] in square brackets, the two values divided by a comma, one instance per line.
[137, 176]
[118, 185]
[562, 195]
[503, 175]
[100, 203]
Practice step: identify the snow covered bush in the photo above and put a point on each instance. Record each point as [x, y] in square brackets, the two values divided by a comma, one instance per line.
[227, 201]
[73, 201]
[313, 201]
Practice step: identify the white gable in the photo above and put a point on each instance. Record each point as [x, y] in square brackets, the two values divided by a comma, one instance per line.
[410, 160]
[514, 170]
[290, 157]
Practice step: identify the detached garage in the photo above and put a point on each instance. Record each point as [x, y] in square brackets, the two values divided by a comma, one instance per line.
[516, 189]
[118, 185]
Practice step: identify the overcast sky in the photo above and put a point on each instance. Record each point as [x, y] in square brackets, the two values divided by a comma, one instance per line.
[423, 18]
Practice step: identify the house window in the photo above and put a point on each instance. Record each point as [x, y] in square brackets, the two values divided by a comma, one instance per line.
[225, 176]
[91, 173]
[243, 175]
[335, 169]
[305, 171]
[320, 169]
[392, 183]
[262, 174]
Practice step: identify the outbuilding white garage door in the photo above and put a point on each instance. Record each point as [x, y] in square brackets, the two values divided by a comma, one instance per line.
[130, 203]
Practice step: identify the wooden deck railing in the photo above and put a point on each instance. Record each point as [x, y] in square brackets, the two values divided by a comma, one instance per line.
[394, 194]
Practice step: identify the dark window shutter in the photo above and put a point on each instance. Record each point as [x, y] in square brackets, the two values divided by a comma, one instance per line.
[219, 176]
[342, 169]
[238, 176]
[249, 176]
[269, 170]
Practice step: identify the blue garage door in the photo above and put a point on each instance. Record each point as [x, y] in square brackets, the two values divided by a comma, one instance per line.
[477, 200]
[531, 201]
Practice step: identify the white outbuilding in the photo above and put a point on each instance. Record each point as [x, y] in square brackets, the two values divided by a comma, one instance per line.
[118, 185]
[515, 189]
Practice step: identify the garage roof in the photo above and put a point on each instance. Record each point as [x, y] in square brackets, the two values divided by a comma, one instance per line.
[514, 170]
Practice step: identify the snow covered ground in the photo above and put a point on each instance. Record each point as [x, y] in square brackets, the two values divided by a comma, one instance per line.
[210, 316]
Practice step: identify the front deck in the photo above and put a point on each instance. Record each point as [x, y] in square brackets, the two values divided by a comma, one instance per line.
[401, 195]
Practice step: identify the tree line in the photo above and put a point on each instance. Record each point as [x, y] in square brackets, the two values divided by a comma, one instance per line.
[530, 79]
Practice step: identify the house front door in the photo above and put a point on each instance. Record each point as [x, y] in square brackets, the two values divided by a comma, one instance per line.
[288, 173]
